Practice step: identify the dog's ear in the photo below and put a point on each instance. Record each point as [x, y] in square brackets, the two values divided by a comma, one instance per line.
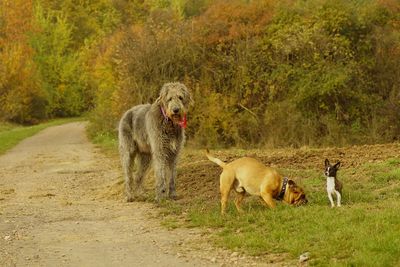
[163, 94]
[337, 165]
[326, 163]
[158, 100]
[291, 183]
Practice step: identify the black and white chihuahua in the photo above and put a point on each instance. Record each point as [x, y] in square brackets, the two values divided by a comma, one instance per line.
[333, 185]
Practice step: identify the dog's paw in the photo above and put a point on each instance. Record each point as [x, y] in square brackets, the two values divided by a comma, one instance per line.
[159, 199]
[174, 196]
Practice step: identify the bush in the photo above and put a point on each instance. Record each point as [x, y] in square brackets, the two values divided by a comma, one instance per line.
[276, 73]
[269, 73]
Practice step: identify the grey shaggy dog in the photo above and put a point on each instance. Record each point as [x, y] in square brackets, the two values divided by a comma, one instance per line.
[154, 133]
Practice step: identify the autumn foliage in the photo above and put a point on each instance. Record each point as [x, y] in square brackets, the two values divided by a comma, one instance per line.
[275, 73]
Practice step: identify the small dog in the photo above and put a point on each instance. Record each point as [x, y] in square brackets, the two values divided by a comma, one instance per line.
[248, 175]
[333, 185]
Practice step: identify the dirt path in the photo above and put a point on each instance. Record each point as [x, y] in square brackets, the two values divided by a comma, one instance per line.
[51, 215]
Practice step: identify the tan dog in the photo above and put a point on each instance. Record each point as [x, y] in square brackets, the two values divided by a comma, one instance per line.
[248, 175]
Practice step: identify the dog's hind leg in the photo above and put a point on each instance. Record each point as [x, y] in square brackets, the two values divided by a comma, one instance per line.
[127, 151]
[226, 180]
[238, 200]
[142, 166]
[127, 159]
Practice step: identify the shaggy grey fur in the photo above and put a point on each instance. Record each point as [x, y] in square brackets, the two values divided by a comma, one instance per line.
[146, 136]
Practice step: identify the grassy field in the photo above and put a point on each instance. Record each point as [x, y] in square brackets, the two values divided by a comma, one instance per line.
[12, 134]
[365, 231]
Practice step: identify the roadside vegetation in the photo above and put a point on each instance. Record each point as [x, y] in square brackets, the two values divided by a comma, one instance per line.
[263, 73]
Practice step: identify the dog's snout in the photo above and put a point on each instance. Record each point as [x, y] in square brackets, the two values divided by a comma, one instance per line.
[175, 110]
[302, 202]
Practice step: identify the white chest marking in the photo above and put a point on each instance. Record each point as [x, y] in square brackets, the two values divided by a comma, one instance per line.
[330, 184]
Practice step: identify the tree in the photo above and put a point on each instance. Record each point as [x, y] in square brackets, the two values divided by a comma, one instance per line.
[21, 97]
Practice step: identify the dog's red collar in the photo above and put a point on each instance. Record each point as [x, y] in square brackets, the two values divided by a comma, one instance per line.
[182, 123]
[283, 190]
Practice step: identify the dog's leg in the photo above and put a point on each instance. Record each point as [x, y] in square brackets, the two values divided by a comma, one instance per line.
[338, 198]
[172, 189]
[161, 181]
[331, 199]
[238, 200]
[127, 151]
[267, 197]
[127, 159]
[162, 172]
[142, 164]
[226, 180]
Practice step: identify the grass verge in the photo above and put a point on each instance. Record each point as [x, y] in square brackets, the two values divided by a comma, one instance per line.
[106, 141]
[12, 134]
[363, 232]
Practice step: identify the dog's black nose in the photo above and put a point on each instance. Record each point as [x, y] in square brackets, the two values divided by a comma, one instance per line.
[176, 110]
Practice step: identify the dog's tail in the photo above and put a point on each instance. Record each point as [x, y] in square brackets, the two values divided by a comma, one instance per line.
[215, 160]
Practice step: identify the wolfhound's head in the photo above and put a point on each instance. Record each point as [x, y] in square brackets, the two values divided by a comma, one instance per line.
[175, 99]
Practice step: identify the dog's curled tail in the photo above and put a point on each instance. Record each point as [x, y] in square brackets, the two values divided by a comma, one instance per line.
[215, 160]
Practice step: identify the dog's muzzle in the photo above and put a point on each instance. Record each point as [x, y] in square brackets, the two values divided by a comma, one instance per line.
[302, 201]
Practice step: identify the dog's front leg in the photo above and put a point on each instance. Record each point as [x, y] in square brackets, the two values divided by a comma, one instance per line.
[267, 197]
[173, 162]
[172, 189]
[162, 171]
[338, 198]
[331, 199]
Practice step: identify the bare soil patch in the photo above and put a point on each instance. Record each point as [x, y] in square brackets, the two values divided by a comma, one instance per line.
[199, 177]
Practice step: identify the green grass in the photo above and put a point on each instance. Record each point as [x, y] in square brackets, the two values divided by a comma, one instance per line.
[106, 141]
[365, 231]
[12, 134]
[361, 235]
[170, 223]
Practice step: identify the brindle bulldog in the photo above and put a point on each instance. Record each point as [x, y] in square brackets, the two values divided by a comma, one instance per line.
[248, 175]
